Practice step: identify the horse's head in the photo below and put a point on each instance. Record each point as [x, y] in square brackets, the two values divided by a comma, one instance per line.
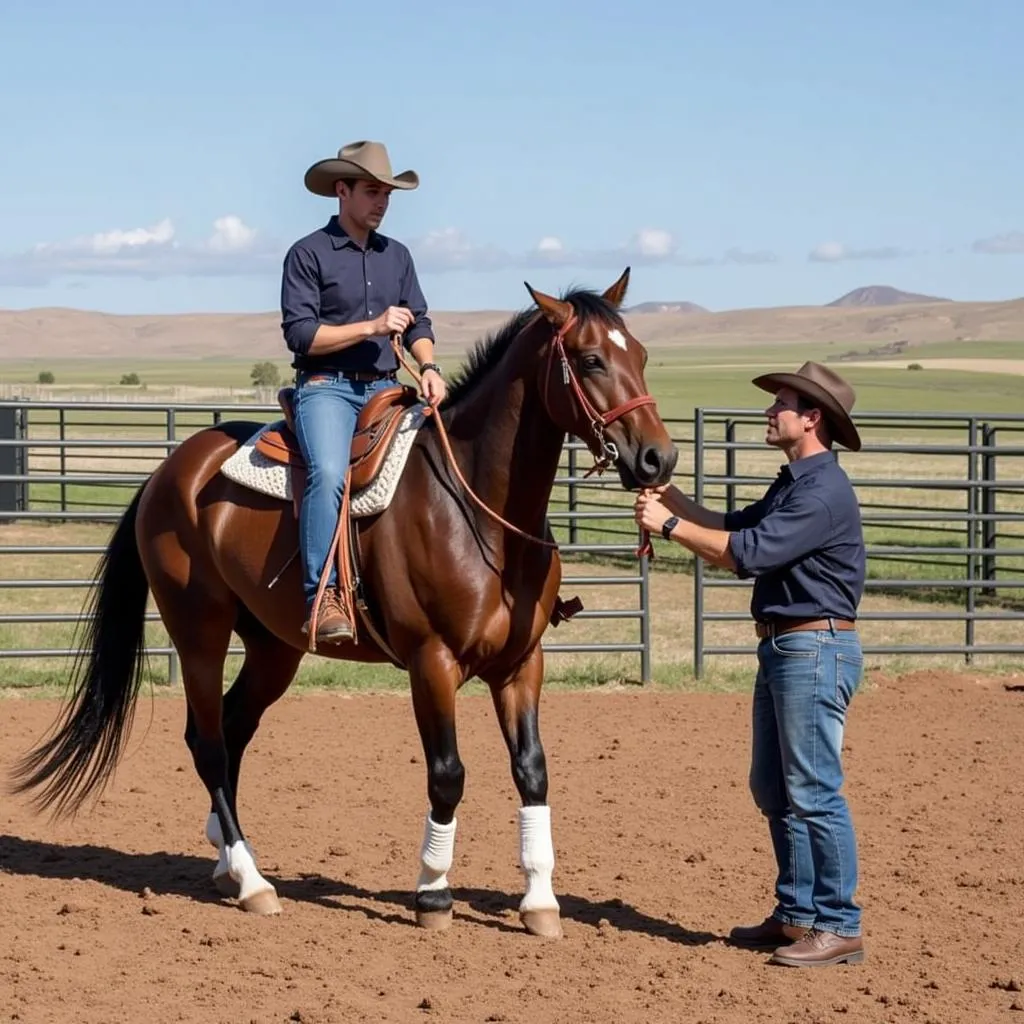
[592, 384]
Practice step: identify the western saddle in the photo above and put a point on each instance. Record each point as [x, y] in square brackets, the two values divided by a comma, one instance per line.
[375, 430]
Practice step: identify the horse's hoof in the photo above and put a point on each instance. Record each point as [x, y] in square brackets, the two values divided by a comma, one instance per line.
[545, 923]
[434, 920]
[264, 903]
[226, 886]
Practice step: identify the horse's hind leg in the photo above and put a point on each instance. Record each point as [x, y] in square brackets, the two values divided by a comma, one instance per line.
[435, 678]
[267, 671]
[202, 639]
[516, 700]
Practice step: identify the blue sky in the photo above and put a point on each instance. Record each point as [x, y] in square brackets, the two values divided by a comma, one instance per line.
[735, 154]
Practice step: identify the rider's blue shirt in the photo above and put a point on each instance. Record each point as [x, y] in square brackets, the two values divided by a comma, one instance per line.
[328, 279]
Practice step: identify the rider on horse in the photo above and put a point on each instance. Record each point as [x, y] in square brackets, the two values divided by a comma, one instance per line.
[345, 290]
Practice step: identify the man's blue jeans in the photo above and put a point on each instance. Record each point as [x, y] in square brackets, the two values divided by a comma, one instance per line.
[805, 682]
[327, 406]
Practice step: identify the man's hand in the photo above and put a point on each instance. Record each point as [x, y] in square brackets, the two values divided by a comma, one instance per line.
[394, 320]
[433, 387]
[649, 512]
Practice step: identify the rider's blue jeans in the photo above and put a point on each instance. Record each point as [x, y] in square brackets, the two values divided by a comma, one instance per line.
[327, 406]
[805, 682]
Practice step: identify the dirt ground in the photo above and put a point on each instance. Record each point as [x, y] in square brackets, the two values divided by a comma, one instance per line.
[113, 918]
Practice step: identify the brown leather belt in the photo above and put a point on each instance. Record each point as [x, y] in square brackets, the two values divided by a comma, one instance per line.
[779, 626]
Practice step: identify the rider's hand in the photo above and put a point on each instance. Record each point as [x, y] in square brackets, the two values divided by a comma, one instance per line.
[394, 319]
[434, 387]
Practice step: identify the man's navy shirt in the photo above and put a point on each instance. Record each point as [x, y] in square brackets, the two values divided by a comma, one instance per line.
[803, 543]
[328, 279]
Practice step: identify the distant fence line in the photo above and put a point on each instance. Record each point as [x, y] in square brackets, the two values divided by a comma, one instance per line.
[56, 463]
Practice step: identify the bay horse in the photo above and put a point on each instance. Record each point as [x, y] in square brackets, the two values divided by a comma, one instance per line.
[454, 593]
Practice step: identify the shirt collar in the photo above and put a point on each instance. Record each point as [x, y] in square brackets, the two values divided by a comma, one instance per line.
[340, 238]
[800, 467]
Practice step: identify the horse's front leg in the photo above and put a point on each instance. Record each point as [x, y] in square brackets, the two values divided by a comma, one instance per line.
[516, 700]
[435, 678]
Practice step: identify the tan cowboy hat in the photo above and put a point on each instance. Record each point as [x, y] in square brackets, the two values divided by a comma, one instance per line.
[827, 390]
[366, 160]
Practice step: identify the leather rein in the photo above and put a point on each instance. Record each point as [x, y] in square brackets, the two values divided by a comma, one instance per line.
[605, 454]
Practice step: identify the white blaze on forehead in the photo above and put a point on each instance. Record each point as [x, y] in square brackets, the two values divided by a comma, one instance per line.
[616, 338]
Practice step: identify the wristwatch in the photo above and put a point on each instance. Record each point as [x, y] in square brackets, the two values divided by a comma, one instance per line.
[431, 366]
[668, 526]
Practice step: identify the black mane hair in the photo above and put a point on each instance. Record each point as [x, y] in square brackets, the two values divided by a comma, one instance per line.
[488, 352]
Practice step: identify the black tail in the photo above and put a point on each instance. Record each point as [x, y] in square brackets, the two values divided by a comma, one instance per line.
[105, 680]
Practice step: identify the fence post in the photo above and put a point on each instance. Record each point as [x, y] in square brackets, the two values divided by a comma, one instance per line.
[645, 619]
[972, 536]
[13, 459]
[989, 469]
[573, 496]
[698, 564]
[730, 465]
[62, 434]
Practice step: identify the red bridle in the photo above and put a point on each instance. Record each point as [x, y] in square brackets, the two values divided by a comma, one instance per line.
[607, 452]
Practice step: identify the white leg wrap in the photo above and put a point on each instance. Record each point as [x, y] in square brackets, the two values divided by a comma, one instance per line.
[215, 838]
[537, 856]
[436, 854]
[242, 869]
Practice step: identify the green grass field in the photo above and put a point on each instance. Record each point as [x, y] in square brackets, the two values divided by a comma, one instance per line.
[681, 379]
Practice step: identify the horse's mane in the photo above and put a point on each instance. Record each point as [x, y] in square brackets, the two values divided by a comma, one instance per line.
[489, 350]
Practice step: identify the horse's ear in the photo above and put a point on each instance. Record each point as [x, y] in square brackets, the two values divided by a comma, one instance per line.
[617, 292]
[556, 311]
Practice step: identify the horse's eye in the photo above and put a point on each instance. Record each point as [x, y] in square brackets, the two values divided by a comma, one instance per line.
[592, 363]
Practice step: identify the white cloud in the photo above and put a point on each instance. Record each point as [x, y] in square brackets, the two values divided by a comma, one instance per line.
[653, 242]
[231, 234]
[232, 248]
[450, 249]
[106, 243]
[835, 252]
[550, 244]
[1001, 245]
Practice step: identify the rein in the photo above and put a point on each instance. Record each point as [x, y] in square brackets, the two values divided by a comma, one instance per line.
[598, 421]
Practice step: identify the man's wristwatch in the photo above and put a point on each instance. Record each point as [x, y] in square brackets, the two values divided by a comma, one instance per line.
[431, 366]
[668, 526]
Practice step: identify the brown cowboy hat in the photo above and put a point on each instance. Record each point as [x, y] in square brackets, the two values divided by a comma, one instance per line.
[366, 160]
[827, 390]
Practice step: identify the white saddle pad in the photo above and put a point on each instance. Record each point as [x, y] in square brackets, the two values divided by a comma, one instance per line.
[252, 469]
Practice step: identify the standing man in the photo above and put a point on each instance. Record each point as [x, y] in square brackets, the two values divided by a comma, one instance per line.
[345, 289]
[804, 546]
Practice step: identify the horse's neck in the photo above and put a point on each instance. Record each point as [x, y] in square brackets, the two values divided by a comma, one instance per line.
[511, 445]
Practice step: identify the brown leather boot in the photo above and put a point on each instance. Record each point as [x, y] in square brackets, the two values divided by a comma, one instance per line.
[332, 624]
[820, 949]
[769, 934]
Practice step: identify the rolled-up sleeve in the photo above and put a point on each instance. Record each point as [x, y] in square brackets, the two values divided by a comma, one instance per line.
[801, 523]
[300, 299]
[413, 298]
[749, 515]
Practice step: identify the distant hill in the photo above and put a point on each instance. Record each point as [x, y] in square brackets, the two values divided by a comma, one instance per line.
[880, 295]
[56, 334]
[665, 307]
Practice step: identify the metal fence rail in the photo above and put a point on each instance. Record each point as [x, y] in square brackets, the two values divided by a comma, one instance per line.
[78, 463]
